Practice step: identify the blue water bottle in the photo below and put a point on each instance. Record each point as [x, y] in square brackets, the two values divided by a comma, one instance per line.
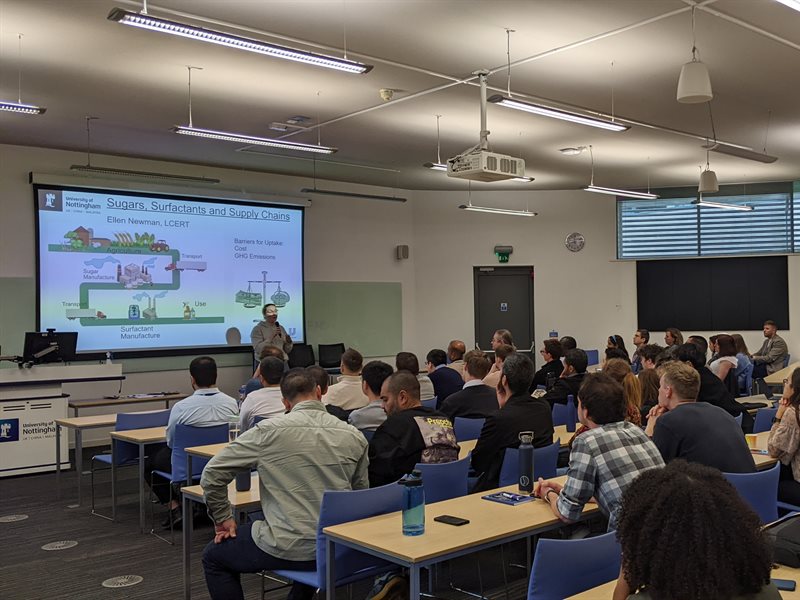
[413, 504]
[572, 413]
[526, 461]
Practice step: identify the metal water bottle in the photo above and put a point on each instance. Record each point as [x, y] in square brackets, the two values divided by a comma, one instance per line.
[526, 461]
[572, 413]
[413, 504]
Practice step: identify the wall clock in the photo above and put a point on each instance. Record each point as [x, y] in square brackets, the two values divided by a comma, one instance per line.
[575, 242]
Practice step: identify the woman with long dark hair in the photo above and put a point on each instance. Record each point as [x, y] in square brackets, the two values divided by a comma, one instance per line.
[784, 440]
[686, 534]
[616, 341]
[725, 358]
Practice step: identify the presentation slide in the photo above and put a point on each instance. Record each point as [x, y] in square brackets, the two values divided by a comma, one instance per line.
[133, 271]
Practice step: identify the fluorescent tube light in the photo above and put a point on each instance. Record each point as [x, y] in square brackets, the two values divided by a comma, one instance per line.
[250, 139]
[443, 167]
[711, 204]
[795, 4]
[498, 211]
[144, 21]
[352, 195]
[615, 192]
[556, 113]
[142, 174]
[740, 152]
[18, 107]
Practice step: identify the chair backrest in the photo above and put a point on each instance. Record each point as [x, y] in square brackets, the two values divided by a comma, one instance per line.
[468, 429]
[429, 403]
[746, 380]
[759, 490]
[786, 360]
[330, 355]
[368, 433]
[738, 419]
[302, 355]
[187, 436]
[563, 568]
[443, 481]
[352, 505]
[566, 414]
[125, 451]
[545, 462]
[764, 418]
[592, 357]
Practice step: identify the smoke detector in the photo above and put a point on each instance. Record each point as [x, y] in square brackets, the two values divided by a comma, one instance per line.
[386, 94]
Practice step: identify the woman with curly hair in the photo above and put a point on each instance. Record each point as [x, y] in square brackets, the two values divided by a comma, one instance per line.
[620, 371]
[687, 535]
[784, 440]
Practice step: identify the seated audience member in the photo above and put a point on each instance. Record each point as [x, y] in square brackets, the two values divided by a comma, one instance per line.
[672, 339]
[616, 341]
[712, 390]
[649, 382]
[770, 356]
[575, 362]
[725, 360]
[743, 362]
[695, 431]
[502, 337]
[266, 402]
[455, 356]
[700, 342]
[372, 415]
[604, 460]
[517, 412]
[255, 382]
[294, 455]
[407, 361]
[347, 393]
[445, 381]
[476, 400]
[712, 345]
[568, 343]
[784, 440]
[617, 353]
[501, 353]
[640, 339]
[649, 354]
[321, 376]
[672, 520]
[411, 433]
[620, 371]
[551, 370]
[205, 408]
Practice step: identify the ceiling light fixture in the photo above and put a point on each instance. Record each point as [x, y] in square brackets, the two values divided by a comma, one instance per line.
[315, 190]
[18, 107]
[795, 4]
[570, 151]
[498, 211]
[708, 203]
[740, 152]
[555, 113]
[615, 191]
[708, 178]
[145, 21]
[694, 83]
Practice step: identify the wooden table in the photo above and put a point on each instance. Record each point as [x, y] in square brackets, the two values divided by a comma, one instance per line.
[239, 502]
[763, 461]
[564, 435]
[78, 424]
[604, 592]
[140, 437]
[209, 451]
[78, 405]
[778, 376]
[491, 524]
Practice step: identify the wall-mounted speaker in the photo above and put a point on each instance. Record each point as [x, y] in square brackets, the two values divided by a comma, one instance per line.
[402, 252]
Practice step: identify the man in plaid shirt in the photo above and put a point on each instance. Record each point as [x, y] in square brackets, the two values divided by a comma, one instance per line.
[605, 459]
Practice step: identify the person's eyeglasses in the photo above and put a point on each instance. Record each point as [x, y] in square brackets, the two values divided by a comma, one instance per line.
[542, 351]
[785, 381]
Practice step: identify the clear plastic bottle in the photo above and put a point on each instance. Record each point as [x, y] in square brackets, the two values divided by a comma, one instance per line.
[526, 461]
[413, 504]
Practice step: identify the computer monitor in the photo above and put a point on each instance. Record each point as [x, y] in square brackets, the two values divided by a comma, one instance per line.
[49, 346]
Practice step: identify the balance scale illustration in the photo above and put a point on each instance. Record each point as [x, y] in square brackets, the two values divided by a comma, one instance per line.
[251, 299]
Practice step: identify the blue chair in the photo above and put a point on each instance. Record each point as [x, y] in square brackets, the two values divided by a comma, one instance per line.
[759, 490]
[443, 481]
[545, 460]
[468, 429]
[764, 418]
[738, 419]
[125, 453]
[343, 507]
[187, 436]
[786, 360]
[430, 403]
[368, 433]
[592, 357]
[556, 574]
[746, 380]
[566, 414]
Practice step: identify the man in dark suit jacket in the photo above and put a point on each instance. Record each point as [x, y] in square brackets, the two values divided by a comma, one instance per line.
[575, 362]
[518, 412]
[445, 381]
[476, 400]
[551, 353]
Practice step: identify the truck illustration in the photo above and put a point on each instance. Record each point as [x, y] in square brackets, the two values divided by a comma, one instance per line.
[186, 265]
[84, 313]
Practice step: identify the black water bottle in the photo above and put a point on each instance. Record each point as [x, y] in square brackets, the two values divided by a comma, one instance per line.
[526, 462]
[243, 480]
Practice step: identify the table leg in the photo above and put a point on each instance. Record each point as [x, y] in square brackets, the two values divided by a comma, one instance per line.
[113, 481]
[188, 469]
[187, 547]
[141, 488]
[413, 584]
[58, 461]
[330, 569]
[79, 459]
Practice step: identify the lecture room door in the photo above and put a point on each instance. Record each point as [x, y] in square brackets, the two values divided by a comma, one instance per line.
[504, 300]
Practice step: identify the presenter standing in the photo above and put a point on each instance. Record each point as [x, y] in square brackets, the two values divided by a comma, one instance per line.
[270, 333]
